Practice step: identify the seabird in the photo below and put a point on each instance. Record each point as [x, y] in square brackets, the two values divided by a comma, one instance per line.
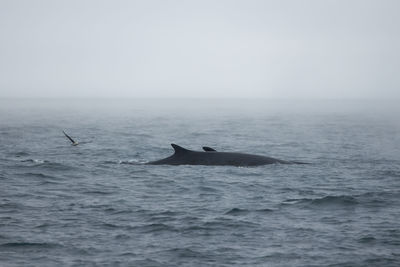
[72, 140]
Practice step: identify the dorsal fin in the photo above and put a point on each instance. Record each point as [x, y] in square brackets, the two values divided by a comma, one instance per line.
[179, 149]
[208, 149]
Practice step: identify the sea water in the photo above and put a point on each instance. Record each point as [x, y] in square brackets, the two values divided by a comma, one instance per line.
[97, 204]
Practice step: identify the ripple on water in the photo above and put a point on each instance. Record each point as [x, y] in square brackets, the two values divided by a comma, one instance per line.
[35, 175]
[238, 211]
[36, 161]
[367, 239]
[155, 228]
[21, 154]
[45, 165]
[343, 201]
[29, 245]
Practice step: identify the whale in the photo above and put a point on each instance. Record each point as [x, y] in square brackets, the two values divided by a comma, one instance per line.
[212, 157]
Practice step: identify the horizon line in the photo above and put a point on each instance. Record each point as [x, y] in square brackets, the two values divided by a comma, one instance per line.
[205, 98]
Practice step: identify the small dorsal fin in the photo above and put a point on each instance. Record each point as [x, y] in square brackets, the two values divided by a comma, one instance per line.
[179, 149]
[208, 149]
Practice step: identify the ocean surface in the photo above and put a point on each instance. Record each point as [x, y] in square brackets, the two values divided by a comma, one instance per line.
[96, 204]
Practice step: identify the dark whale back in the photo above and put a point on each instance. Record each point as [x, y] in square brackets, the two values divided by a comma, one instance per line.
[183, 156]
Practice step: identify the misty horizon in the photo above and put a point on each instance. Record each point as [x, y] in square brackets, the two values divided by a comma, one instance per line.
[188, 49]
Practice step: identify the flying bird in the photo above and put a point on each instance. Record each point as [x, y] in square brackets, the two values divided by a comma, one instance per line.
[70, 139]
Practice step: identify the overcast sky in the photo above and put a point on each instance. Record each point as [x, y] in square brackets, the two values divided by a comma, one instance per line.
[217, 48]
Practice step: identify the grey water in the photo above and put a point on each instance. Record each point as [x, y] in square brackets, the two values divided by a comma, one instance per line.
[96, 204]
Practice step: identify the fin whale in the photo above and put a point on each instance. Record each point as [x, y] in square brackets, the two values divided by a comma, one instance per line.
[210, 156]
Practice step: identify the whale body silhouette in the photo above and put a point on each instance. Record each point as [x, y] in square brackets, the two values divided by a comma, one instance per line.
[210, 156]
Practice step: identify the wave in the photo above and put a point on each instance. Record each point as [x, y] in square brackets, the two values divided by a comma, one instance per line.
[109, 162]
[97, 192]
[224, 222]
[389, 173]
[132, 162]
[129, 162]
[36, 161]
[238, 211]
[156, 227]
[55, 166]
[21, 154]
[336, 200]
[185, 253]
[379, 199]
[43, 225]
[11, 207]
[110, 225]
[324, 201]
[367, 239]
[373, 199]
[36, 175]
[29, 245]
[113, 211]
[47, 182]
[145, 228]
[195, 228]
[46, 164]
[382, 261]
[208, 189]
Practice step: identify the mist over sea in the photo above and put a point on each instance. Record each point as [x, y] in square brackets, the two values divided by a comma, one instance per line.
[95, 204]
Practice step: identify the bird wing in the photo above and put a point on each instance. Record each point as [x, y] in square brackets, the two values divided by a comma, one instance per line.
[69, 137]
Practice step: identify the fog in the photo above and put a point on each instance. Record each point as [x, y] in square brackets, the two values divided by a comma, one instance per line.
[200, 49]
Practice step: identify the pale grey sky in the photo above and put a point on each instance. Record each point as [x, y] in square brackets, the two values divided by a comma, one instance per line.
[217, 48]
